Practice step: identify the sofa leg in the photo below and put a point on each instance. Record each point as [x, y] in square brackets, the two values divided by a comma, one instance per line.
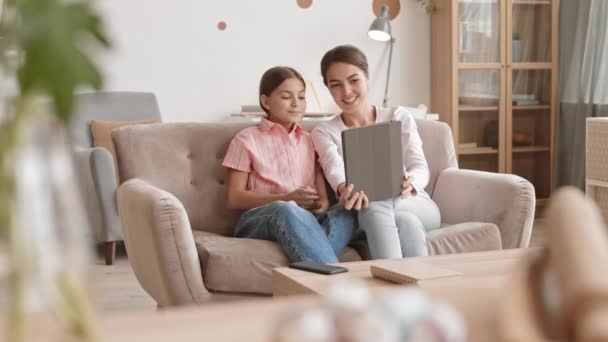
[110, 252]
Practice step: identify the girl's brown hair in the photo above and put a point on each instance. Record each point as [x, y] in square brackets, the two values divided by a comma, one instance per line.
[273, 78]
[343, 54]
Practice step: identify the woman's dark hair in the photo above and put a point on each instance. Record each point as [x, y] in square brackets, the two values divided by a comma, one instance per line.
[343, 54]
[273, 78]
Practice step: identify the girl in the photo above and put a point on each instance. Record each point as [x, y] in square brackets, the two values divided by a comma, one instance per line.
[272, 173]
[395, 227]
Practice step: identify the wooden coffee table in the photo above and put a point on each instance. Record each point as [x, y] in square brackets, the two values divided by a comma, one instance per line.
[479, 294]
[486, 269]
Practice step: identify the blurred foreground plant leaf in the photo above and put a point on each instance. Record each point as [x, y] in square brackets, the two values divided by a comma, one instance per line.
[54, 37]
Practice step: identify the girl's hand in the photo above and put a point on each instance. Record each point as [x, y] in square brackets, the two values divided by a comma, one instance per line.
[319, 207]
[357, 201]
[304, 197]
[407, 187]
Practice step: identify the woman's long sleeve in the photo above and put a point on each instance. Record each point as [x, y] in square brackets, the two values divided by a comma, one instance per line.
[329, 156]
[413, 155]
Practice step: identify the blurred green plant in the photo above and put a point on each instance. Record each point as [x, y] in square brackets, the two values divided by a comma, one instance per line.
[54, 36]
[516, 36]
[47, 46]
[427, 5]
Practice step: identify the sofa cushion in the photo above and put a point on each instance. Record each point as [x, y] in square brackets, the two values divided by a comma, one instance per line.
[464, 238]
[449, 239]
[101, 132]
[243, 265]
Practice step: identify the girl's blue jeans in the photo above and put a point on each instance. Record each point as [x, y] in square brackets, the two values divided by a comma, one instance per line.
[303, 236]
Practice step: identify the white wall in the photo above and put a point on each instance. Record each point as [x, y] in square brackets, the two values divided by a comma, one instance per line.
[199, 73]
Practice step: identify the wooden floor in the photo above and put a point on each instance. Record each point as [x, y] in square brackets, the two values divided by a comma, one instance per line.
[117, 288]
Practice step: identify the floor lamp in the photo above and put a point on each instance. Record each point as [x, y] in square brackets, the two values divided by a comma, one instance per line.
[380, 30]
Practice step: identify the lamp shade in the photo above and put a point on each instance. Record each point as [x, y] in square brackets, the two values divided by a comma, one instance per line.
[380, 29]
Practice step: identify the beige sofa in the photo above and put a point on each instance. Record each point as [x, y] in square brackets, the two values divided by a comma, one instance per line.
[177, 229]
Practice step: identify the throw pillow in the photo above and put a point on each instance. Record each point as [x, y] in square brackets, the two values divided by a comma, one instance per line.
[102, 135]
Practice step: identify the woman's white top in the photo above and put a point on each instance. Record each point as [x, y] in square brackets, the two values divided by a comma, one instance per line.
[327, 138]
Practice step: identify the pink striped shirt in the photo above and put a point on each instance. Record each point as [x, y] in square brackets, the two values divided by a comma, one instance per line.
[277, 161]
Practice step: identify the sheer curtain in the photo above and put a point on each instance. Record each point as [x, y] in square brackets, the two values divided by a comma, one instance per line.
[583, 39]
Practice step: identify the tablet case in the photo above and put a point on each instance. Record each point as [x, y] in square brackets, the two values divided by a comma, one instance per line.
[373, 159]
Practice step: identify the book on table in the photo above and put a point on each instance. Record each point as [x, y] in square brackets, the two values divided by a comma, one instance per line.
[405, 271]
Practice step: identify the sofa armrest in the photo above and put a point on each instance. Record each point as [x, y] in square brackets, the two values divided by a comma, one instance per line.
[160, 244]
[104, 179]
[475, 196]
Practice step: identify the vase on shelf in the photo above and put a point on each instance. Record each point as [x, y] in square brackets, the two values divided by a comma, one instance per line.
[516, 50]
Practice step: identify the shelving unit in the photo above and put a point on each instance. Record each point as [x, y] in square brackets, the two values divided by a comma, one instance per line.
[531, 2]
[463, 151]
[530, 149]
[466, 108]
[494, 82]
[531, 107]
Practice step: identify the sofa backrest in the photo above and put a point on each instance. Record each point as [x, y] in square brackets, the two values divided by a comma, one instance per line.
[185, 160]
[438, 146]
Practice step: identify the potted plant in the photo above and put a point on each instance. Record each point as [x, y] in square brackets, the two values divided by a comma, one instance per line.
[45, 55]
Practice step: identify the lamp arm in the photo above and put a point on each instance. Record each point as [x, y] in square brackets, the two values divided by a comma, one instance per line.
[388, 72]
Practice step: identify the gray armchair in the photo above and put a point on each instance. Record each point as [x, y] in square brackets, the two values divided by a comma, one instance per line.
[95, 165]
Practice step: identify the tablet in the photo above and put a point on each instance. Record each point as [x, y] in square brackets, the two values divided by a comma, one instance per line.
[373, 159]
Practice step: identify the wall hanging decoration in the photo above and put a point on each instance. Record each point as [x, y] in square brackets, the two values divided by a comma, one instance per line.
[393, 5]
[304, 3]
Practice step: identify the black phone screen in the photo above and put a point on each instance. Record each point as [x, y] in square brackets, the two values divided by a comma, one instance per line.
[317, 267]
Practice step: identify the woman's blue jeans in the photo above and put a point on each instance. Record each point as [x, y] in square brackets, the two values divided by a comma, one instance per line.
[397, 228]
[303, 236]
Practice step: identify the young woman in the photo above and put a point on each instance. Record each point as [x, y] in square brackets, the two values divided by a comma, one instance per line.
[394, 227]
[272, 173]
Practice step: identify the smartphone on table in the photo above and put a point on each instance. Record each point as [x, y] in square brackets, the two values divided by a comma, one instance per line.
[318, 267]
